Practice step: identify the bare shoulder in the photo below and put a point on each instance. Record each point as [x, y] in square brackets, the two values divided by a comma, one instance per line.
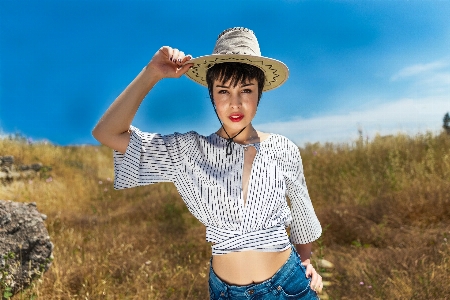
[263, 135]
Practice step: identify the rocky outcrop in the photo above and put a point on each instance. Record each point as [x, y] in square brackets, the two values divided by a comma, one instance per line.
[9, 171]
[25, 247]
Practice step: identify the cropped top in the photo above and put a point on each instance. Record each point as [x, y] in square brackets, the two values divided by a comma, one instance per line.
[210, 183]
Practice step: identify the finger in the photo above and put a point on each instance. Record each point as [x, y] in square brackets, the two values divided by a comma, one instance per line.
[183, 69]
[174, 55]
[166, 50]
[316, 282]
[315, 278]
[179, 58]
[309, 270]
[186, 58]
[318, 288]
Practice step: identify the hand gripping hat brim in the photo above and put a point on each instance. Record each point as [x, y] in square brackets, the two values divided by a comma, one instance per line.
[239, 44]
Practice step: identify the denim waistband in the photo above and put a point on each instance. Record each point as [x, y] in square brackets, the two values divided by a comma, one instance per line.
[252, 290]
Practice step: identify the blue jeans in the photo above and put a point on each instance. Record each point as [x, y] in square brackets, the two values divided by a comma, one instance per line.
[289, 282]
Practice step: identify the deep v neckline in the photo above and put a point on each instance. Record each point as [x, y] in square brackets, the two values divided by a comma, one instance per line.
[257, 147]
[247, 171]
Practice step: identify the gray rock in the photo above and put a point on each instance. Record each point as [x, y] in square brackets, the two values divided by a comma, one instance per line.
[24, 167]
[7, 160]
[9, 172]
[36, 166]
[25, 247]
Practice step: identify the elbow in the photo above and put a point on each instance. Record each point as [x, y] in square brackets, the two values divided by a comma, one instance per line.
[117, 142]
[94, 133]
[97, 133]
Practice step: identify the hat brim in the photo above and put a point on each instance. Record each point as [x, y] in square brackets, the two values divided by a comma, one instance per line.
[275, 71]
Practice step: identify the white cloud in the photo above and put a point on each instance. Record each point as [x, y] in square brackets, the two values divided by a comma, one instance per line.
[438, 79]
[404, 115]
[419, 69]
[422, 108]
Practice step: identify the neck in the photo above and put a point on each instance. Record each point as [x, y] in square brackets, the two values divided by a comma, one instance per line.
[248, 135]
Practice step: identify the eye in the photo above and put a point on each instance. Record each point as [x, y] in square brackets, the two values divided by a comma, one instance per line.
[222, 91]
[246, 90]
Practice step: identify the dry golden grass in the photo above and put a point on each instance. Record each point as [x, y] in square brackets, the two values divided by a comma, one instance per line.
[386, 204]
[387, 207]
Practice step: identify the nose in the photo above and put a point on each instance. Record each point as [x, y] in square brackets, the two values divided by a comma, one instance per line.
[236, 100]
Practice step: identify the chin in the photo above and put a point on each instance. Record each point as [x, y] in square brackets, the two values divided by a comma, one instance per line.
[236, 126]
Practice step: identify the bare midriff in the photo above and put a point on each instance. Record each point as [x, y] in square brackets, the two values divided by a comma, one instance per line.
[246, 267]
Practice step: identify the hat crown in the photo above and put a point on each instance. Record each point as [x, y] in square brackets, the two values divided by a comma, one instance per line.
[237, 40]
[238, 45]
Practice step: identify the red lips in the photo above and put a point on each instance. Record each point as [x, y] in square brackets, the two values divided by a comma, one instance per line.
[236, 117]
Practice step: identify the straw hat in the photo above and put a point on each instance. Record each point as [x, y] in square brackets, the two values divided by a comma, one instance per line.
[239, 44]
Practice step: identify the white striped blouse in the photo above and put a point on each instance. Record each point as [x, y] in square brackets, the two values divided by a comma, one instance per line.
[210, 183]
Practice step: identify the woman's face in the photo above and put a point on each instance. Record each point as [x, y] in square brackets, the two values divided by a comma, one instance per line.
[236, 106]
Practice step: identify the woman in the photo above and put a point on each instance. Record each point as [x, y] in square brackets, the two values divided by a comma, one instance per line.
[234, 181]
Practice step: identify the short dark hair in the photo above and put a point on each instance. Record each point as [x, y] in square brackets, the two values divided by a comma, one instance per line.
[237, 72]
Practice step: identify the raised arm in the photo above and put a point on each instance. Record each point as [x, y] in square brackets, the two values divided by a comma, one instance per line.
[113, 128]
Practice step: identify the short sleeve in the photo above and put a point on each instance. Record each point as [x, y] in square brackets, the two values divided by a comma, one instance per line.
[149, 158]
[305, 226]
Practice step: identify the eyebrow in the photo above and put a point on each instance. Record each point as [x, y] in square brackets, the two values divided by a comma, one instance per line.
[224, 86]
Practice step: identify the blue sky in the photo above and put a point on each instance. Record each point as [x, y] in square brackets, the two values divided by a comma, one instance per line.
[381, 66]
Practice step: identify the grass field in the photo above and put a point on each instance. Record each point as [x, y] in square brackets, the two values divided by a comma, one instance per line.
[385, 205]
